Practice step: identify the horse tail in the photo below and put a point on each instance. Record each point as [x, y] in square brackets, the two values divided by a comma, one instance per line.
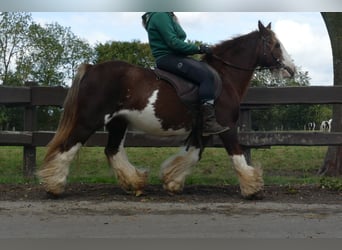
[55, 166]
[69, 116]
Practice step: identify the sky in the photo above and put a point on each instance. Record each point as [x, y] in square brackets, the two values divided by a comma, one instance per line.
[303, 34]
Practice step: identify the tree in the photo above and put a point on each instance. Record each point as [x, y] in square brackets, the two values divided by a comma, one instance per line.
[13, 40]
[46, 54]
[133, 52]
[332, 165]
[53, 56]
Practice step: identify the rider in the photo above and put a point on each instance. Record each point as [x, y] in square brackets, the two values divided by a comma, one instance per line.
[166, 40]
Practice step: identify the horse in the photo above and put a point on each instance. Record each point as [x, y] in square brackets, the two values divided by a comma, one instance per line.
[311, 126]
[326, 126]
[125, 97]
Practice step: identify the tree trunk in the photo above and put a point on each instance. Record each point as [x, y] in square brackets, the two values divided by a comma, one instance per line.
[332, 165]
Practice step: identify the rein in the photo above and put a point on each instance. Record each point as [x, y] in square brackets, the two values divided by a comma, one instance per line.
[246, 68]
[231, 64]
[251, 69]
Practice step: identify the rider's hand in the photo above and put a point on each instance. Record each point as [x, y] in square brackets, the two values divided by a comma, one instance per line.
[205, 49]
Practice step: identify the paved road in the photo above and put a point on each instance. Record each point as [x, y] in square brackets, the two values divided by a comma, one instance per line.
[74, 219]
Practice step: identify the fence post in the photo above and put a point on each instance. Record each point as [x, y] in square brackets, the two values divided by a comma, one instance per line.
[245, 124]
[29, 154]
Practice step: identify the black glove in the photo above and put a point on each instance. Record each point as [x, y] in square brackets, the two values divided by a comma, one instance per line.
[205, 49]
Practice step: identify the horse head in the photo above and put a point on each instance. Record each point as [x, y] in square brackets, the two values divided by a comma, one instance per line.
[273, 55]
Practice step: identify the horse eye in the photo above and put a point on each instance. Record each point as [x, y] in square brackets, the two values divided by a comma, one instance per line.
[277, 45]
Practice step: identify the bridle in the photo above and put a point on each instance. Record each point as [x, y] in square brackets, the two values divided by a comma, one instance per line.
[264, 40]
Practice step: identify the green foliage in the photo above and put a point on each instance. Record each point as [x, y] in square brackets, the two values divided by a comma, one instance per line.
[133, 52]
[289, 117]
[48, 118]
[265, 78]
[286, 117]
[3, 118]
[331, 183]
[46, 54]
[13, 40]
[55, 53]
[11, 118]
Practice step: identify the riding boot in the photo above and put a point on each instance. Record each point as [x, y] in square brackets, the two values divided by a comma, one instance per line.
[210, 125]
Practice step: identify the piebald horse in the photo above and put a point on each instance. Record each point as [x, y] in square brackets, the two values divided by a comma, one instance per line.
[125, 97]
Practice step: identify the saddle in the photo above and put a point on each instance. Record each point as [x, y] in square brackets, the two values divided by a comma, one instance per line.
[186, 90]
[188, 93]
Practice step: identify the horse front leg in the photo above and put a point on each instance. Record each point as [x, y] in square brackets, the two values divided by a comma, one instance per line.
[175, 169]
[129, 177]
[250, 178]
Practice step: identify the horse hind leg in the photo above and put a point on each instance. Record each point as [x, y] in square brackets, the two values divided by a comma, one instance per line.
[175, 169]
[61, 151]
[129, 177]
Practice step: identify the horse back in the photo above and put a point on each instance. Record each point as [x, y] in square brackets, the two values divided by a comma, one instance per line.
[117, 81]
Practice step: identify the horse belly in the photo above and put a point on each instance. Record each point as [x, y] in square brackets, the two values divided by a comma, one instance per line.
[146, 121]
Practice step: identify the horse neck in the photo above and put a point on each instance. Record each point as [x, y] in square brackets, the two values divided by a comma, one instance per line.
[241, 52]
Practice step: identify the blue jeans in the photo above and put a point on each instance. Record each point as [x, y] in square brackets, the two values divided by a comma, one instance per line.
[193, 71]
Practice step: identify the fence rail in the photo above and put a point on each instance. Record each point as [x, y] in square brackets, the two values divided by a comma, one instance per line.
[31, 97]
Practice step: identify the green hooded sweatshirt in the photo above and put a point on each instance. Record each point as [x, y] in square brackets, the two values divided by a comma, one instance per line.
[166, 36]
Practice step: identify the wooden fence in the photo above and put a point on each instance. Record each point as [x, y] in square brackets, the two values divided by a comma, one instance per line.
[32, 97]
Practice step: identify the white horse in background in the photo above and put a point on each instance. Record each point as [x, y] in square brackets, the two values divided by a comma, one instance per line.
[311, 126]
[326, 126]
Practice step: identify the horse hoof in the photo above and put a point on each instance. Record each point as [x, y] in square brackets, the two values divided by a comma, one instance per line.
[173, 187]
[256, 196]
[139, 193]
[53, 196]
[173, 193]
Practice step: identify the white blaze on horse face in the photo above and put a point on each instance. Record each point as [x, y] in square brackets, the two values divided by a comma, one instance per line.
[287, 61]
[145, 120]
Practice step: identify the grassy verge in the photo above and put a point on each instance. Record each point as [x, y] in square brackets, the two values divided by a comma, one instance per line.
[281, 165]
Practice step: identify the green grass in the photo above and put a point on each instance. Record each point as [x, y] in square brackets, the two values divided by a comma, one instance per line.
[281, 165]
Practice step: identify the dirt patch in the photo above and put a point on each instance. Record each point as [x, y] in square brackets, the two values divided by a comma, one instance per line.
[306, 194]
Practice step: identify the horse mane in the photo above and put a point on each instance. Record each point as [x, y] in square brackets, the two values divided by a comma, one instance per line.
[237, 41]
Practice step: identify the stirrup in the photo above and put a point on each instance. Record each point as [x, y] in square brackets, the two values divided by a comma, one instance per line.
[215, 132]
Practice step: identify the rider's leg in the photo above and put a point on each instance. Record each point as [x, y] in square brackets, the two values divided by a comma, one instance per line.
[198, 73]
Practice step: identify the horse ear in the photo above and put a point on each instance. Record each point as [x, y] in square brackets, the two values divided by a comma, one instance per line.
[262, 28]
